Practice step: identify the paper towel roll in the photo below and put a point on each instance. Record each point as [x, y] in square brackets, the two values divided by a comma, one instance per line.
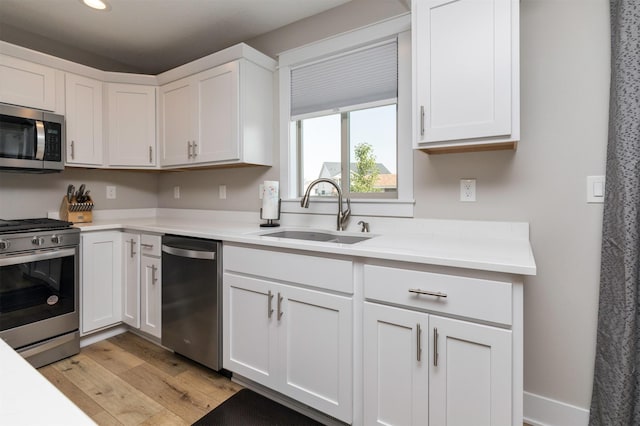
[270, 199]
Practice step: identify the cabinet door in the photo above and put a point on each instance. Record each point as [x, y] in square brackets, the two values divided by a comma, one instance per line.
[132, 125]
[217, 94]
[131, 277]
[396, 370]
[27, 84]
[176, 122]
[101, 280]
[316, 349]
[462, 78]
[470, 373]
[151, 296]
[249, 319]
[83, 120]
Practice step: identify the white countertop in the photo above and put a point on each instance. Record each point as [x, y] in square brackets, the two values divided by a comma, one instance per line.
[488, 246]
[28, 398]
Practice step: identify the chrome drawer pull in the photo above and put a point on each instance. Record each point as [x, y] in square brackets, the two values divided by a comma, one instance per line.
[148, 246]
[427, 293]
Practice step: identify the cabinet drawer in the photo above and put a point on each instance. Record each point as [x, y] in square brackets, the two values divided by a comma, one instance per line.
[324, 273]
[467, 297]
[150, 245]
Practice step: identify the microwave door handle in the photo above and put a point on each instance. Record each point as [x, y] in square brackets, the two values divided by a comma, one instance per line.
[39, 140]
[26, 258]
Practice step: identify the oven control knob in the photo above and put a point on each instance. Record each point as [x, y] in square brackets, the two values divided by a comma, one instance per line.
[37, 241]
[4, 244]
[56, 239]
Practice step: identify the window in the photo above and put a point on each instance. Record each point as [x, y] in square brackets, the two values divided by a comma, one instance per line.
[355, 149]
[345, 111]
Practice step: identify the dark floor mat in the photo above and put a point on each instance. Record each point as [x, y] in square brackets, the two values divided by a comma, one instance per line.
[249, 408]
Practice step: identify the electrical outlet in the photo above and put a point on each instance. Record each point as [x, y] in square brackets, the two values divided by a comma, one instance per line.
[222, 192]
[111, 192]
[467, 190]
[176, 192]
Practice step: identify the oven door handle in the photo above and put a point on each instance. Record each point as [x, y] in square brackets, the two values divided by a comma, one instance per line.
[26, 258]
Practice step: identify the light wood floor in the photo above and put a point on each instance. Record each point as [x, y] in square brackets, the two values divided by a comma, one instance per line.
[127, 380]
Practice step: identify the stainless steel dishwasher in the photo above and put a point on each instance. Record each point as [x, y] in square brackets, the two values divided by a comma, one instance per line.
[191, 298]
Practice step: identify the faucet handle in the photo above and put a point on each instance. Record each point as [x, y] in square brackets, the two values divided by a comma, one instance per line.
[365, 226]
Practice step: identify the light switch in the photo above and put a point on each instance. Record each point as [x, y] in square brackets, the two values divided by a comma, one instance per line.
[598, 189]
[595, 189]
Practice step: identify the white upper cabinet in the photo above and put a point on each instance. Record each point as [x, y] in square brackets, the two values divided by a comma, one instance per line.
[176, 122]
[84, 120]
[131, 125]
[466, 74]
[27, 84]
[219, 116]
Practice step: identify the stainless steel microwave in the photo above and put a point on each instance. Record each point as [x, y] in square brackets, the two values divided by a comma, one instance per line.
[31, 140]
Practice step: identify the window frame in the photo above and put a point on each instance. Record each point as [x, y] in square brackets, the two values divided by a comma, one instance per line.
[400, 206]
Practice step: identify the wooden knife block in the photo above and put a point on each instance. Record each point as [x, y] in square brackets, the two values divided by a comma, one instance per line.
[76, 212]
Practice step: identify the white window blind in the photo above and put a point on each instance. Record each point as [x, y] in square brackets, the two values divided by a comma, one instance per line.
[359, 77]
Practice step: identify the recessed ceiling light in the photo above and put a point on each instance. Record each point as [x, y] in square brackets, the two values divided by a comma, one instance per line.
[97, 4]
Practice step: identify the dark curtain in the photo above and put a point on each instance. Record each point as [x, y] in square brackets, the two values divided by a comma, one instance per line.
[616, 386]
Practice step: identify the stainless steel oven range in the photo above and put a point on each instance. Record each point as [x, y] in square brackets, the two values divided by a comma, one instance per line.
[39, 266]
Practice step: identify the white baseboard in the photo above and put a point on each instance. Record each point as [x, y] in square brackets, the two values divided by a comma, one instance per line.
[102, 335]
[543, 411]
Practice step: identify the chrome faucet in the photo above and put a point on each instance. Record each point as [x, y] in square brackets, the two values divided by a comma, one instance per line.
[343, 216]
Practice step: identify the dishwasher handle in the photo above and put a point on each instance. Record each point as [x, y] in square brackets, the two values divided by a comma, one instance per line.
[192, 254]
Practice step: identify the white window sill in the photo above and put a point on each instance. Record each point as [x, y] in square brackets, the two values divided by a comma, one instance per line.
[359, 207]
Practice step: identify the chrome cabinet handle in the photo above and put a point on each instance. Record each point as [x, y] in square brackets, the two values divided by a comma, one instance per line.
[132, 244]
[188, 149]
[435, 347]
[195, 152]
[270, 305]
[427, 292]
[421, 120]
[150, 154]
[280, 313]
[73, 153]
[419, 343]
[153, 274]
[148, 246]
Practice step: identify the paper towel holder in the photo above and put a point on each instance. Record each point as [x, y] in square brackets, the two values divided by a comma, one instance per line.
[270, 222]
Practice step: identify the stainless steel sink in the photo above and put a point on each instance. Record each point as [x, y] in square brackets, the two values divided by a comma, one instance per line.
[318, 236]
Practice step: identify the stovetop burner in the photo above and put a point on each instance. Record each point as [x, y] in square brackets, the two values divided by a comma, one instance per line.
[26, 225]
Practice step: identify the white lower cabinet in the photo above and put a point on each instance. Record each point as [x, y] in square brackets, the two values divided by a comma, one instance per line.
[421, 368]
[131, 279]
[101, 280]
[470, 373]
[141, 282]
[150, 296]
[296, 341]
[396, 366]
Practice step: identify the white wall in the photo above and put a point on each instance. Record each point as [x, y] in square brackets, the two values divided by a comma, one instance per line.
[33, 195]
